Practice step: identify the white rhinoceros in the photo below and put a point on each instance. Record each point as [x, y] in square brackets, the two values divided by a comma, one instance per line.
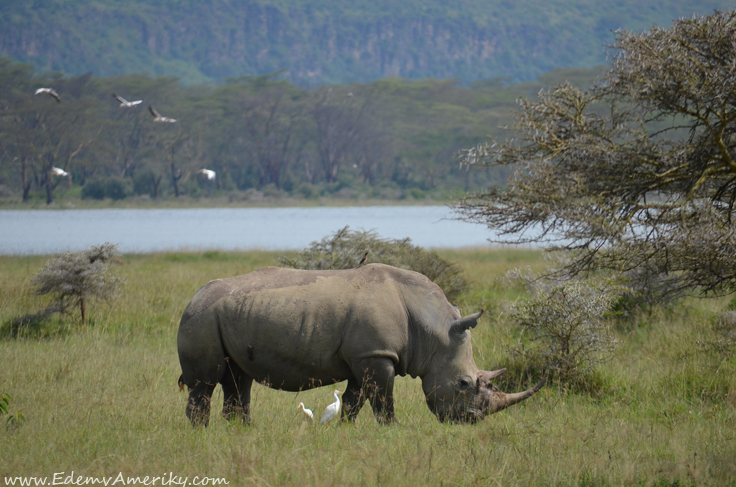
[296, 330]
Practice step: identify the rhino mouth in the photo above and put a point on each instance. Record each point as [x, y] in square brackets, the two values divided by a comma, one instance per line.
[469, 415]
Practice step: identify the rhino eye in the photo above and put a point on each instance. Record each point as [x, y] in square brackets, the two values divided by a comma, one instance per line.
[464, 383]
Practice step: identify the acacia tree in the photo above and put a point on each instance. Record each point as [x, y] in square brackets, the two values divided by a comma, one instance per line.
[73, 278]
[268, 122]
[340, 122]
[638, 170]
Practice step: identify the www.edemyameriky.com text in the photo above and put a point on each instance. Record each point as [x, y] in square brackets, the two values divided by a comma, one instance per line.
[62, 478]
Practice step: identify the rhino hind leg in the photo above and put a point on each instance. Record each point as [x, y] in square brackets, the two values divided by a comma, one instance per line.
[352, 400]
[198, 405]
[236, 386]
[378, 386]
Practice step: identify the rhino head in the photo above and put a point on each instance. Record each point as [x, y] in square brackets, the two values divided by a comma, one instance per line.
[456, 390]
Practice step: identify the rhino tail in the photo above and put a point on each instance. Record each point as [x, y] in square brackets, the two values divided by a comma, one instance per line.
[181, 383]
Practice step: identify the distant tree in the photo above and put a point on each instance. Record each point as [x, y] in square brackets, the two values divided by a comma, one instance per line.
[267, 125]
[344, 250]
[341, 121]
[73, 278]
[638, 171]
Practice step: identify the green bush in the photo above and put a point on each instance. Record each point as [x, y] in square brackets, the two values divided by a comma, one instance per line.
[94, 189]
[143, 182]
[116, 188]
[307, 190]
[345, 248]
[101, 188]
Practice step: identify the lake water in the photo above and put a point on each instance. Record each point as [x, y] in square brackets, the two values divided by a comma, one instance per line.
[52, 231]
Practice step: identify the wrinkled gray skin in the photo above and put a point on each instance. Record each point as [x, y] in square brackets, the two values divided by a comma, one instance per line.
[295, 330]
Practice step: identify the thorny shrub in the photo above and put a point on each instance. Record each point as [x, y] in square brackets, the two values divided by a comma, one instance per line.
[567, 322]
[344, 249]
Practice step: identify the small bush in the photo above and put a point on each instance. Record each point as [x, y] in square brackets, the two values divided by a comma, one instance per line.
[723, 340]
[568, 328]
[345, 248]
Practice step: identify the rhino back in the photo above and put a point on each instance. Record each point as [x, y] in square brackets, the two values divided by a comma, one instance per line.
[298, 329]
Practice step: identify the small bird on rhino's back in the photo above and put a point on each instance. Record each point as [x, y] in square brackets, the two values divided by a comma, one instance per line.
[363, 260]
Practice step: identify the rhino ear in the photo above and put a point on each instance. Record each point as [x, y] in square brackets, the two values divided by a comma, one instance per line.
[470, 321]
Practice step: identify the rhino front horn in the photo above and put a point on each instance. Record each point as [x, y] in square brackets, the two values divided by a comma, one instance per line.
[500, 400]
[470, 321]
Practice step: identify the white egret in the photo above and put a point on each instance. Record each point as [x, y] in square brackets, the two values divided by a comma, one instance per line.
[57, 171]
[307, 412]
[125, 103]
[157, 117]
[333, 410]
[209, 173]
[49, 91]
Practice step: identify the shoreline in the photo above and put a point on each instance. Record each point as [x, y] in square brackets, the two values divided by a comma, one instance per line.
[193, 203]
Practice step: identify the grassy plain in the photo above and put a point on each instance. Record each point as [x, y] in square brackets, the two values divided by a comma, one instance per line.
[103, 399]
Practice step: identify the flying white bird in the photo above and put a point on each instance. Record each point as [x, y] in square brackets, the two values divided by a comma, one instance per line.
[307, 412]
[57, 171]
[209, 173]
[125, 103]
[333, 410]
[157, 116]
[49, 91]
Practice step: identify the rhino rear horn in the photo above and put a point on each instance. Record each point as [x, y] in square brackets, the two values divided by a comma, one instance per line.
[486, 376]
[470, 321]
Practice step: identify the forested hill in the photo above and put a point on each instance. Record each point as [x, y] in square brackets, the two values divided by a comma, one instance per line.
[325, 41]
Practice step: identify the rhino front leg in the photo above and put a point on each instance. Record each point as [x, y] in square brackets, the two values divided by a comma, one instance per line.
[236, 386]
[378, 384]
[198, 405]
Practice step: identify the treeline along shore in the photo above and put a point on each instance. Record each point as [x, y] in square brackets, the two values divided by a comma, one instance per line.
[246, 139]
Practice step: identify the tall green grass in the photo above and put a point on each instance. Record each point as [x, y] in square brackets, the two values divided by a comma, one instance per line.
[104, 399]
